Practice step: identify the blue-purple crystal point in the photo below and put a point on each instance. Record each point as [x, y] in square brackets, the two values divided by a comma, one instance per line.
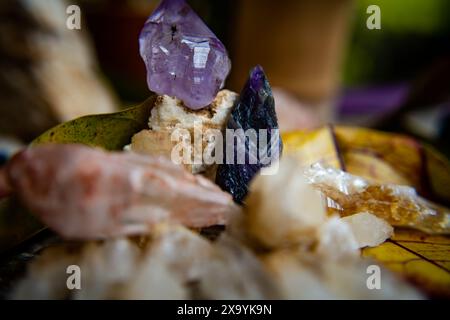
[254, 110]
[184, 59]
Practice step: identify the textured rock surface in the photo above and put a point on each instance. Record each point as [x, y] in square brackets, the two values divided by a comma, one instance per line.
[255, 110]
[169, 114]
[184, 59]
[87, 193]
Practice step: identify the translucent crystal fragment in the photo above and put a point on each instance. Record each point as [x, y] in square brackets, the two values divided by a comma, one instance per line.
[184, 59]
[399, 205]
[369, 230]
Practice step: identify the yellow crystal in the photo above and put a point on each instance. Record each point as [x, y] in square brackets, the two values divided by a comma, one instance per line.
[346, 194]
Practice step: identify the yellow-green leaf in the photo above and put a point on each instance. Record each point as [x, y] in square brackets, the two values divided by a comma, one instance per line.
[110, 131]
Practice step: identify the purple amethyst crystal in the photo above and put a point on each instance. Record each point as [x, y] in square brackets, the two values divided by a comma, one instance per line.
[184, 59]
[255, 110]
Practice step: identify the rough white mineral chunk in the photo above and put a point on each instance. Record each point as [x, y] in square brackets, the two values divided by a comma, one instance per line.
[169, 114]
[234, 272]
[369, 230]
[306, 276]
[335, 178]
[283, 207]
[336, 240]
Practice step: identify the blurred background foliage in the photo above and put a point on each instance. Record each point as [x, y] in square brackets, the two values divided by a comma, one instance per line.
[414, 32]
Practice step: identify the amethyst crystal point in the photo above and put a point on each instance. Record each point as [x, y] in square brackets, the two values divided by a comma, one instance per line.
[254, 110]
[184, 59]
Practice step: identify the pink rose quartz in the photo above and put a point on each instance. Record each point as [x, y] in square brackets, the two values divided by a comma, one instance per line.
[87, 193]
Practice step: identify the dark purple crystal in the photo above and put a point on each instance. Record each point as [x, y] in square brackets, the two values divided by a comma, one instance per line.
[254, 110]
[184, 59]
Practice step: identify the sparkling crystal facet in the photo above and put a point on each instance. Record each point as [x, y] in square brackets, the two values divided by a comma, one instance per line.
[254, 110]
[184, 59]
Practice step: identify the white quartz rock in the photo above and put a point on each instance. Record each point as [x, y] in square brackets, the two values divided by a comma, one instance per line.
[336, 240]
[300, 275]
[282, 207]
[234, 272]
[368, 229]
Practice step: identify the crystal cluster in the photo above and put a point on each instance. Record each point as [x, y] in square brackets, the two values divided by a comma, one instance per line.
[295, 251]
[284, 210]
[184, 59]
[255, 110]
[174, 263]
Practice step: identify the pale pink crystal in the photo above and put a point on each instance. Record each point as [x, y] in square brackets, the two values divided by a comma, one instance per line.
[81, 192]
